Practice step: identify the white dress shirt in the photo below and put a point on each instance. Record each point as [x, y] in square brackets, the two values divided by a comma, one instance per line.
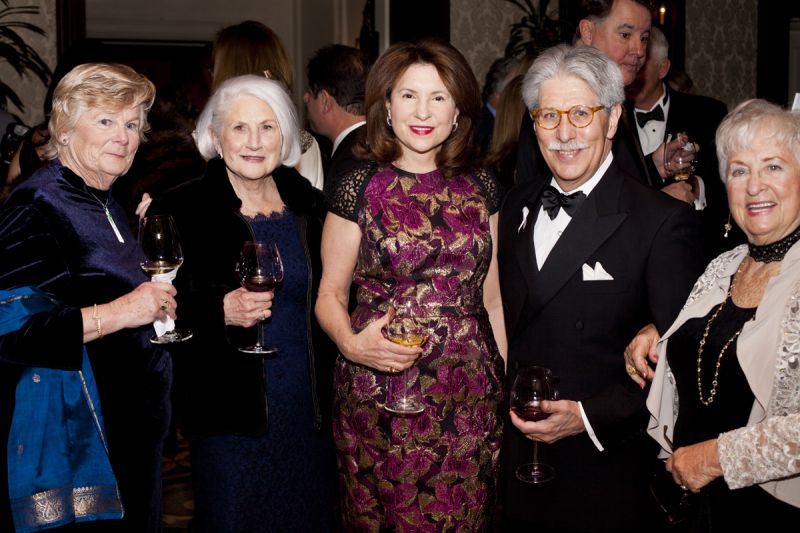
[546, 233]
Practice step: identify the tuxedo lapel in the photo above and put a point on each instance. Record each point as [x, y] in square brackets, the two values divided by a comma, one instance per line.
[596, 220]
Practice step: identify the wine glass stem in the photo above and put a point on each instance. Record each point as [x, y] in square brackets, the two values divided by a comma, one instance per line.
[260, 334]
[405, 384]
[535, 455]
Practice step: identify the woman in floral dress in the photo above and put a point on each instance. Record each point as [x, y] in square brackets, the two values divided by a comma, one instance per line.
[416, 220]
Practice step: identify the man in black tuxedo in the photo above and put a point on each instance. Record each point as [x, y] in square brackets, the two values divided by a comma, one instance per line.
[657, 110]
[587, 256]
[335, 103]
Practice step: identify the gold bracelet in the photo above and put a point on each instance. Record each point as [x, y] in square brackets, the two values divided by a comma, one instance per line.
[97, 322]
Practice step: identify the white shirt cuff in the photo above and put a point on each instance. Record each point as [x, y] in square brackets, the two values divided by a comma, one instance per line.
[589, 429]
[701, 202]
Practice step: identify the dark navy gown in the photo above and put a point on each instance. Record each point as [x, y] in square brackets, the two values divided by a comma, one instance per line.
[275, 482]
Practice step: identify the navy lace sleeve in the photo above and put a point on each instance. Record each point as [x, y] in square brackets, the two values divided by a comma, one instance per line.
[491, 188]
[345, 199]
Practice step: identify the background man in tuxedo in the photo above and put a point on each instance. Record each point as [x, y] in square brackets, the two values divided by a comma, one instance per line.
[580, 275]
[658, 110]
[335, 103]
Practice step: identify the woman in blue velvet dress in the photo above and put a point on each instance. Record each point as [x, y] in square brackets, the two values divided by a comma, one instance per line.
[63, 232]
[259, 427]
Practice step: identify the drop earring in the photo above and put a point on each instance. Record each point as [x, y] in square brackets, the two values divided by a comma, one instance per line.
[727, 227]
[389, 119]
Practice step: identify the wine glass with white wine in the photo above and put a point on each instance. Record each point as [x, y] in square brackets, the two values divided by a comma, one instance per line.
[407, 328]
[680, 164]
[162, 256]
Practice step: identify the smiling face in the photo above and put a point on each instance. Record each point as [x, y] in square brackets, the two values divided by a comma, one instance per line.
[763, 183]
[622, 36]
[250, 139]
[422, 112]
[101, 146]
[574, 154]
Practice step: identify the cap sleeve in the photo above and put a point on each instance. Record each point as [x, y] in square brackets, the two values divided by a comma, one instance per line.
[491, 188]
[345, 198]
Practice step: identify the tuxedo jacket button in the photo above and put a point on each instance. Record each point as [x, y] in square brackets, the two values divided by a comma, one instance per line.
[579, 324]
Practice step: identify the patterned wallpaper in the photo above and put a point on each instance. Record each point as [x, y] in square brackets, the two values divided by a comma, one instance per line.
[721, 48]
[29, 88]
[479, 29]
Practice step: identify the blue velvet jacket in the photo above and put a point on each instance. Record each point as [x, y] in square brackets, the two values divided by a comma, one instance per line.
[55, 235]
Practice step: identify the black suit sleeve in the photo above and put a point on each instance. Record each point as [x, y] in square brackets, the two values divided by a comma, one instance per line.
[674, 263]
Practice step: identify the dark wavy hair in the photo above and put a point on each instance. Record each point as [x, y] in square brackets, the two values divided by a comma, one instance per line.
[458, 152]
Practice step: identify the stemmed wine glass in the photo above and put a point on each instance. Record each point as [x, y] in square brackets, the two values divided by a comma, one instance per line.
[260, 269]
[680, 165]
[162, 255]
[406, 328]
[532, 385]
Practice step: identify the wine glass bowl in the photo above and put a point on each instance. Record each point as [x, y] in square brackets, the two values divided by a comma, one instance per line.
[407, 328]
[681, 163]
[259, 269]
[162, 255]
[533, 385]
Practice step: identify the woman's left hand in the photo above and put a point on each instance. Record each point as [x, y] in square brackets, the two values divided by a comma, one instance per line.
[693, 467]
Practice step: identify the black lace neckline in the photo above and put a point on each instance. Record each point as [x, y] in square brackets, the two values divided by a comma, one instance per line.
[776, 251]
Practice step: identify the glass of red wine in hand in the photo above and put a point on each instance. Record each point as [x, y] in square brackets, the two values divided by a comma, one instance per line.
[260, 270]
[532, 385]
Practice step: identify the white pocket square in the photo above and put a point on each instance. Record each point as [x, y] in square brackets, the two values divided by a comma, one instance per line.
[598, 273]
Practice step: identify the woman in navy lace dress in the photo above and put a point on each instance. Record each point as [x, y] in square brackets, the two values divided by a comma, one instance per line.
[258, 427]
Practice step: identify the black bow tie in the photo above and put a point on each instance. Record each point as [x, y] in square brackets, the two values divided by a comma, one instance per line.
[654, 114]
[552, 201]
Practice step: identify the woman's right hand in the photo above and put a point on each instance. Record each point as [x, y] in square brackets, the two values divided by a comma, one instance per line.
[371, 348]
[244, 308]
[143, 305]
[637, 353]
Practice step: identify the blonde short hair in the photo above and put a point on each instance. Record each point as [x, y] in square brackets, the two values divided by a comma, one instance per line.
[97, 85]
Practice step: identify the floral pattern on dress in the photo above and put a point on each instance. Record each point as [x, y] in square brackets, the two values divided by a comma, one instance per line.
[427, 236]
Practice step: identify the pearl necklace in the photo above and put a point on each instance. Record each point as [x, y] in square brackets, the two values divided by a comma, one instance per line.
[715, 381]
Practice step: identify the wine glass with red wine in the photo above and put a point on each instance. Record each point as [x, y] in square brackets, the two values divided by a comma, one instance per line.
[260, 270]
[532, 385]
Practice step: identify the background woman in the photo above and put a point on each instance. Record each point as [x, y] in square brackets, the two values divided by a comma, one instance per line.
[731, 362]
[62, 231]
[419, 222]
[258, 428]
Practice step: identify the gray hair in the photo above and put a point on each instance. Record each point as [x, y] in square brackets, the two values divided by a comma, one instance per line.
[657, 45]
[271, 93]
[753, 119]
[583, 62]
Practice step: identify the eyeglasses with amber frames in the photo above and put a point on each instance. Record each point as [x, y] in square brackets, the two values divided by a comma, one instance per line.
[579, 116]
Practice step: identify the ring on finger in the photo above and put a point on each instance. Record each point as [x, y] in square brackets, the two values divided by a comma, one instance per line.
[262, 316]
[632, 370]
[163, 304]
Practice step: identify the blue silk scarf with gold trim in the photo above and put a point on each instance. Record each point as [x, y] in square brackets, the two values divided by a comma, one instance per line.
[58, 466]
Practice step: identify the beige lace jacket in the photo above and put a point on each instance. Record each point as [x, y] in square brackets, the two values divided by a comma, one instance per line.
[767, 450]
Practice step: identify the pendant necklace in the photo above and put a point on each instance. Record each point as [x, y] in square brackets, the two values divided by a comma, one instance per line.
[108, 213]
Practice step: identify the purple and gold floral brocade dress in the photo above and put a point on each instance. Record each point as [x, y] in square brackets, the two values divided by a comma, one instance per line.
[426, 235]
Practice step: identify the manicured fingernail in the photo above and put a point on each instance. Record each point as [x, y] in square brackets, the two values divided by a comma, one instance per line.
[641, 386]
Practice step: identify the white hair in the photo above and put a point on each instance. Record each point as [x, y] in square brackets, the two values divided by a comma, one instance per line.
[271, 93]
